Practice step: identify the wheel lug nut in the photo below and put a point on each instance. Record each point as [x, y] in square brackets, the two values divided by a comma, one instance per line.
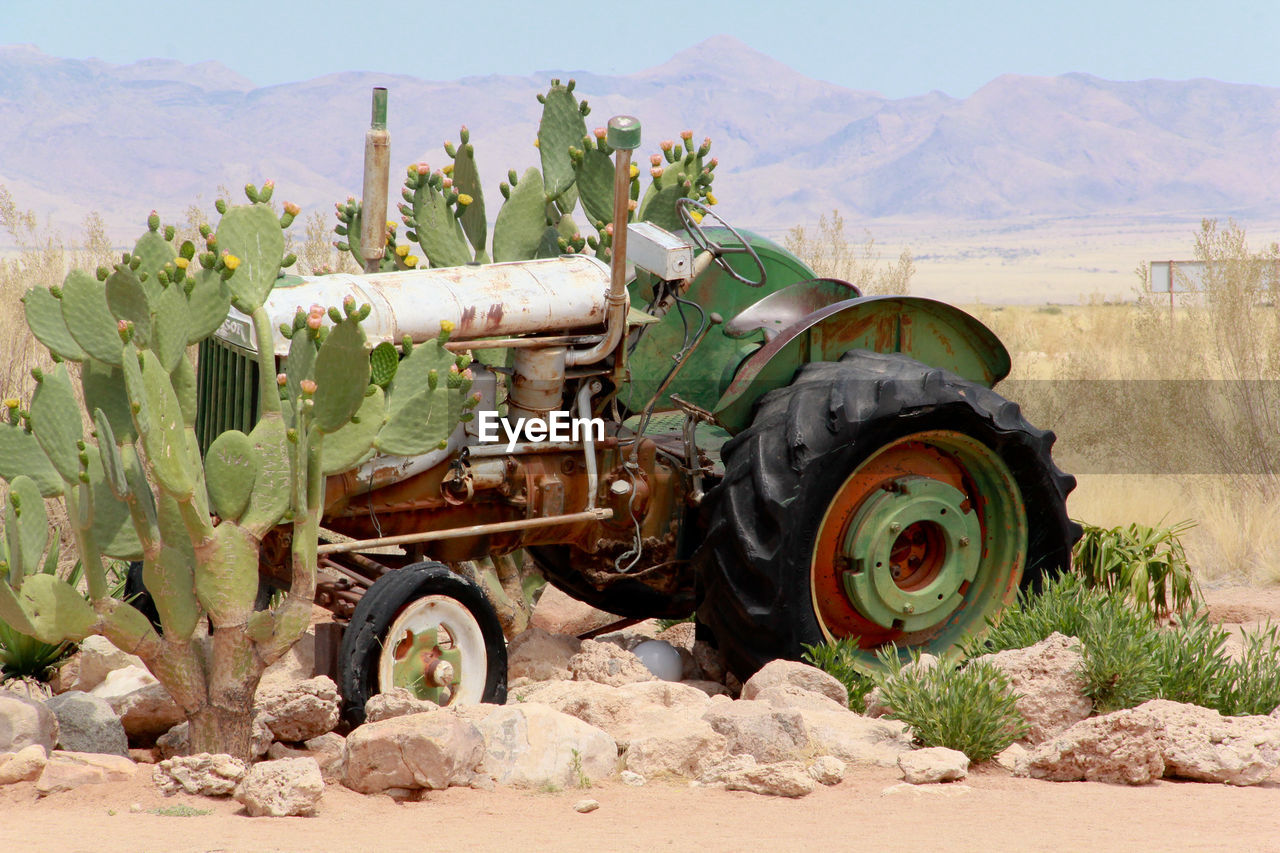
[894, 527]
[964, 541]
[908, 608]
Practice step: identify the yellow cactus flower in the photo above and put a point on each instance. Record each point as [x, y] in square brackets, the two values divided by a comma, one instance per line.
[181, 263]
[448, 170]
[392, 226]
[11, 402]
[446, 326]
[711, 199]
[635, 170]
[231, 261]
[536, 143]
[411, 261]
[402, 251]
[464, 199]
[697, 215]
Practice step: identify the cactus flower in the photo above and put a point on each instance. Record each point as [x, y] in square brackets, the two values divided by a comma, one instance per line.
[402, 251]
[230, 261]
[656, 172]
[411, 261]
[447, 326]
[464, 199]
[632, 204]
[307, 386]
[291, 208]
[282, 379]
[686, 135]
[655, 159]
[666, 144]
[448, 170]
[11, 402]
[608, 229]
[448, 182]
[181, 263]
[600, 133]
[314, 322]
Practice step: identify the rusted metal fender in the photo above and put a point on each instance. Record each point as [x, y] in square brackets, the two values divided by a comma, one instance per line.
[927, 330]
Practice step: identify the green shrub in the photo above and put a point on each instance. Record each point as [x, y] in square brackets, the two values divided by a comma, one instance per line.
[970, 709]
[1146, 565]
[839, 660]
[1063, 605]
[1119, 646]
[1253, 682]
[1192, 664]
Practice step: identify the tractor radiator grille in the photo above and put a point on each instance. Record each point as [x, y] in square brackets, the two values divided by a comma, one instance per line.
[227, 391]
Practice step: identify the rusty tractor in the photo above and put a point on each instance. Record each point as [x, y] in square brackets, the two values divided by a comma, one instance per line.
[791, 460]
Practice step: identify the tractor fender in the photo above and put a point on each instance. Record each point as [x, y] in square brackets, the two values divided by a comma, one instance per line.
[927, 330]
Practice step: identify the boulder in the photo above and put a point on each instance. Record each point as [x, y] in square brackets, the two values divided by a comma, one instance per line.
[756, 729]
[297, 664]
[873, 701]
[25, 765]
[772, 734]
[789, 696]
[1201, 744]
[1047, 675]
[284, 788]
[1014, 758]
[711, 688]
[431, 750]
[24, 722]
[531, 745]
[789, 672]
[673, 745]
[621, 711]
[141, 702]
[557, 613]
[98, 658]
[935, 764]
[1119, 748]
[328, 750]
[396, 702]
[27, 688]
[682, 635]
[67, 770]
[776, 779]
[203, 774]
[86, 723]
[709, 661]
[299, 710]
[605, 663]
[827, 770]
[541, 656]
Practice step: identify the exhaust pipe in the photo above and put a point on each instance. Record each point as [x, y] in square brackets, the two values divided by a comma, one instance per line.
[377, 174]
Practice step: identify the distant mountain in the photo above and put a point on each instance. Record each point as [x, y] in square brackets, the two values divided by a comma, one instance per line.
[77, 136]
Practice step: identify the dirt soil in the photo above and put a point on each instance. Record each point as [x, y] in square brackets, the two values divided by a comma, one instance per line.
[989, 811]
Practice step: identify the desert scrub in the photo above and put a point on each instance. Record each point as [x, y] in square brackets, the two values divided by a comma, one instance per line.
[1147, 565]
[1061, 605]
[970, 708]
[839, 660]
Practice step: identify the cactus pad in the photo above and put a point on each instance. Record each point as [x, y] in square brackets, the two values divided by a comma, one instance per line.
[342, 375]
[251, 232]
[230, 468]
[44, 317]
[85, 312]
[383, 363]
[55, 420]
[26, 528]
[521, 220]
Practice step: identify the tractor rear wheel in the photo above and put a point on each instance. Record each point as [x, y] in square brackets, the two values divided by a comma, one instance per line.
[427, 629]
[881, 499]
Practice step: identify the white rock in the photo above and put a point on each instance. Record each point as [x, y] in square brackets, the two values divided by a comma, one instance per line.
[431, 750]
[790, 696]
[673, 744]
[789, 672]
[98, 658]
[24, 722]
[1119, 748]
[607, 664]
[141, 702]
[67, 770]
[827, 770]
[532, 745]
[1201, 744]
[906, 788]
[203, 774]
[778, 779]
[1047, 675]
[632, 778]
[1014, 758]
[586, 806]
[934, 764]
[396, 702]
[297, 664]
[541, 656]
[299, 710]
[25, 765]
[291, 786]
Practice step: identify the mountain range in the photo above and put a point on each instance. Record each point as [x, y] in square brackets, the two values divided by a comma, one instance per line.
[84, 135]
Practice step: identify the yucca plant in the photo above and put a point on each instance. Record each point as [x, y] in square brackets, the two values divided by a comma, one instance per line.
[1146, 565]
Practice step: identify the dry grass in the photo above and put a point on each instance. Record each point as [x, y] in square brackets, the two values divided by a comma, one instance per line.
[828, 253]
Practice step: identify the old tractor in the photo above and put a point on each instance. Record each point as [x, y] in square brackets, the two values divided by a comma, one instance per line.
[792, 460]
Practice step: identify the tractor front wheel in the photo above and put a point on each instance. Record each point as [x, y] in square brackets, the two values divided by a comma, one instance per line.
[880, 499]
[427, 629]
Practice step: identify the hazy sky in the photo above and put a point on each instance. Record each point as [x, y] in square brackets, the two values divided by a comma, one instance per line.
[896, 47]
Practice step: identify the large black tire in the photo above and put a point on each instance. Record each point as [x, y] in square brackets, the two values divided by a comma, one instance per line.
[375, 617]
[808, 445]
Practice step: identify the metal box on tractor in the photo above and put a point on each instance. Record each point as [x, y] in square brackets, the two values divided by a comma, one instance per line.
[792, 460]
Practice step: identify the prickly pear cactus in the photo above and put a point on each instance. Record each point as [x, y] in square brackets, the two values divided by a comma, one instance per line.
[135, 486]
[445, 213]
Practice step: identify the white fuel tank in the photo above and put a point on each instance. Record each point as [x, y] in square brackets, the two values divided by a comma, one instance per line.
[549, 296]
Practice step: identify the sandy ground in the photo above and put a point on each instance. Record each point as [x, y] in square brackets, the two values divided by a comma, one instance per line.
[990, 811]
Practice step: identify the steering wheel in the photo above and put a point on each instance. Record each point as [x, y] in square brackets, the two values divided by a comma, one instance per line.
[718, 250]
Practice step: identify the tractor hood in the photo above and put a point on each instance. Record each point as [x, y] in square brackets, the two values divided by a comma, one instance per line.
[544, 296]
